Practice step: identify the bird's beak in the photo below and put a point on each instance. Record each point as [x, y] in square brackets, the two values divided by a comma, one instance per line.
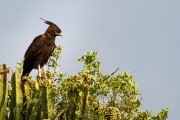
[59, 34]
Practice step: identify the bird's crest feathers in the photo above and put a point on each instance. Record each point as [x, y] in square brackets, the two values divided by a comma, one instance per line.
[47, 22]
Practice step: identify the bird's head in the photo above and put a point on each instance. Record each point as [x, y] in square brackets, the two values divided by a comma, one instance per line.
[53, 29]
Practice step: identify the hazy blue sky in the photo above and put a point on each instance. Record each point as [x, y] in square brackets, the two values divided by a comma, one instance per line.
[139, 36]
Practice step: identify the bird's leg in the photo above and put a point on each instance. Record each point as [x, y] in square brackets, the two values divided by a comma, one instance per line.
[39, 71]
[44, 72]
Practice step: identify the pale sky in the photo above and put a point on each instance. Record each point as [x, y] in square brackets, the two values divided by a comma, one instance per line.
[139, 36]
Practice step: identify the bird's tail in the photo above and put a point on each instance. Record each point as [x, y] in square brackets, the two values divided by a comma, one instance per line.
[24, 76]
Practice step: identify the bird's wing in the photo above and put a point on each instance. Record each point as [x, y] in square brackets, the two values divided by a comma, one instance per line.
[32, 52]
[34, 49]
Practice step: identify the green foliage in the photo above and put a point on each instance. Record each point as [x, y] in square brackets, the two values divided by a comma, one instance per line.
[53, 60]
[88, 95]
[162, 115]
[4, 70]
[16, 97]
[83, 96]
[19, 66]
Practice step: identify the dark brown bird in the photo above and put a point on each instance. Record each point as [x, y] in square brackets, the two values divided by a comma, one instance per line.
[40, 50]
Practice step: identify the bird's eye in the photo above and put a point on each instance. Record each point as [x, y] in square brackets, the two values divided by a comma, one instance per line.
[56, 31]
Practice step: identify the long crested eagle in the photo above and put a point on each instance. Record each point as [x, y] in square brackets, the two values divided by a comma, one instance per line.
[40, 49]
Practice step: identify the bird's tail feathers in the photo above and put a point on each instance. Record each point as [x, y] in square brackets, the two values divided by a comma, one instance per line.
[23, 77]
